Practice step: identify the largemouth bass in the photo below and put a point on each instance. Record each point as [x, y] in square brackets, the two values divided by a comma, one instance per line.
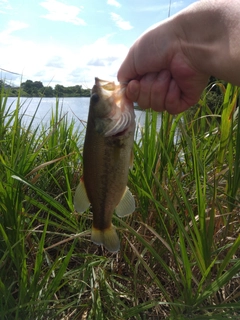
[107, 156]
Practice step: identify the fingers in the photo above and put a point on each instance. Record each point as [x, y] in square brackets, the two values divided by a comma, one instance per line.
[145, 95]
[150, 91]
[175, 102]
[159, 92]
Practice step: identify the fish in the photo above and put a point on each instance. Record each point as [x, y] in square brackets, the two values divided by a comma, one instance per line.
[107, 157]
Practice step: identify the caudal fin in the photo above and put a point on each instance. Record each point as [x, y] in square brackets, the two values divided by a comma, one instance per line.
[107, 237]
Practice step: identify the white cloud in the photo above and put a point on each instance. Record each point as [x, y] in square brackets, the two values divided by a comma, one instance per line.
[120, 22]
[56, 62]
[4, 6]
[79, 65]
[104, 61]
[99, 59]
[12, 26]
[114, 3]
[59, 11]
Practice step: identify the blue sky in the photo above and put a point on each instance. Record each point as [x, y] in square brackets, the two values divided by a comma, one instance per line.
[70, 42]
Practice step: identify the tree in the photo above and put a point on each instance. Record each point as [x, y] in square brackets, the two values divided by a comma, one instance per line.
[32, 88]
[38, 84]
[59, 90]
[47, 91]
[27, 87]
[37, 89]
[78, 90]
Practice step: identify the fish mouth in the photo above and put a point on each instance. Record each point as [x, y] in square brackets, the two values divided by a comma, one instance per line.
[105, 85]
[121, 114]
[110, 90]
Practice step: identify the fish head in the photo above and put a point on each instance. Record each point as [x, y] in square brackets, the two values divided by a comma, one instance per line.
[110, 111]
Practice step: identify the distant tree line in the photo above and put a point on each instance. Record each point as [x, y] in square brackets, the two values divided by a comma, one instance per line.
[31, 88]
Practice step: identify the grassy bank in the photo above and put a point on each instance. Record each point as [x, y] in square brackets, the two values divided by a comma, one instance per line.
[179, 255]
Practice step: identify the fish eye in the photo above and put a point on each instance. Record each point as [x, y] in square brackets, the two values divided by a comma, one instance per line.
[95, 98]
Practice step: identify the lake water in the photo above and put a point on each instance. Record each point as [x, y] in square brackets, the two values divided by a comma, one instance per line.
[76, 108]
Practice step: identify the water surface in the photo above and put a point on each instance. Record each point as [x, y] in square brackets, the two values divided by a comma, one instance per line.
[76, 108]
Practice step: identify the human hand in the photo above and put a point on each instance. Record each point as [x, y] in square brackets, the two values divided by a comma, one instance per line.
[161, 75]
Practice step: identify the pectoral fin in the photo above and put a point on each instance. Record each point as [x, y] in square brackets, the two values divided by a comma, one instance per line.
[126, 205]
[81, 202]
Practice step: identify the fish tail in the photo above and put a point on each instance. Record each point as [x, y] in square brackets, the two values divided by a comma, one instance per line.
[107, 237]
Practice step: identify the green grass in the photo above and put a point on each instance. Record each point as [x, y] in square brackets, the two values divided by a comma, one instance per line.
[179, 256]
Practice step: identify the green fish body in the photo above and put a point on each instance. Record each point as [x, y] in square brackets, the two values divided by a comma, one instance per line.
[107, 155]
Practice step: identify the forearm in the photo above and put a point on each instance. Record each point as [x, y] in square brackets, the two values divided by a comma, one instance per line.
[209, 34]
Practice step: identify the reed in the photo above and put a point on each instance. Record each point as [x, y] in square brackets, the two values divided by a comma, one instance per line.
[179, 254]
